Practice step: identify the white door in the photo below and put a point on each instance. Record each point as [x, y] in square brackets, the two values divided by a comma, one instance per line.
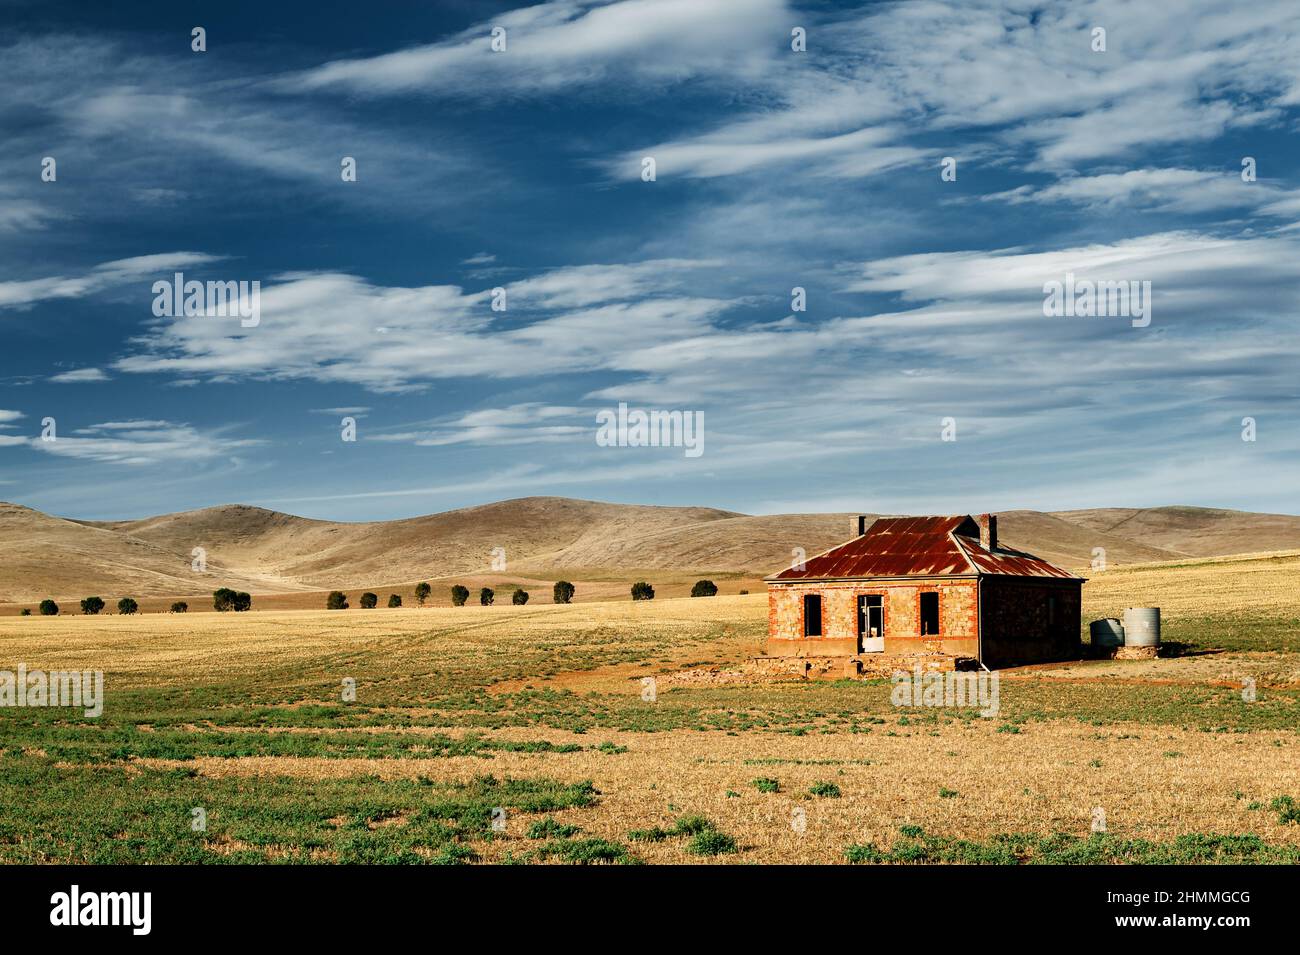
[871, 624]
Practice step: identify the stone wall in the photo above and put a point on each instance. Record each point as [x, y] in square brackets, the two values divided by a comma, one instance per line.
[958, 617]
[1018, 628]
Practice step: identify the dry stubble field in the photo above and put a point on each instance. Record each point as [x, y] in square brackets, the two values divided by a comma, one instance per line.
[538, 710]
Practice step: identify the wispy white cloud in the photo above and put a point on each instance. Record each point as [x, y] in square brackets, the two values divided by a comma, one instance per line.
[332, 327]
[523, 423]
[1012, 81]
[79, 376]
[23, 294]
[571, 43]
[141, 443]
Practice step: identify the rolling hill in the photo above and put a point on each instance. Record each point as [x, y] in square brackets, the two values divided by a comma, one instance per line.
[268, 552]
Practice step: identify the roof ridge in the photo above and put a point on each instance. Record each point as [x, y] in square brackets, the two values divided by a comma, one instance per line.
[961, 548]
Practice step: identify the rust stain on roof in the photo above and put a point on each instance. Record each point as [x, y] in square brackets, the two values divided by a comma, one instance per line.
[921, 547]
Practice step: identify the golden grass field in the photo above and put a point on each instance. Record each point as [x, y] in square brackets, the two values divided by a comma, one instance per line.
[243, 715]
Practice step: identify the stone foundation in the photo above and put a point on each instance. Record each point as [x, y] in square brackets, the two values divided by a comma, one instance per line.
[858, 666]
[1134, 653]
[1095, 652]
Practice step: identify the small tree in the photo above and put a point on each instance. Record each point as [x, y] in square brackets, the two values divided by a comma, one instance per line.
[642, 591]
[394, 600]
[127, 606]
[243, 601]
[519, 597]
[180, 606]
[459, 595]
[223, 599]
[49, 608]
[486, 596]
[25, 612]
[422, 591]
[704, 588]
[337, 600]
[563, 592]
[369, 601]
[92, 605]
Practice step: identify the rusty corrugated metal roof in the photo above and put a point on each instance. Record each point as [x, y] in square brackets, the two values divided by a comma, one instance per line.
[920, 547]
[1004, 562]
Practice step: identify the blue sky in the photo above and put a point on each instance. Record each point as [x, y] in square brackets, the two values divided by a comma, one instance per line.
[774, 169]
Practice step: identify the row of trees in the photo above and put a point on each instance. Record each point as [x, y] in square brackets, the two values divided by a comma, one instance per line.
[702, 588]
[338, 600]
[89, 605]
[223, 599]
[226, 599]
[561, 593]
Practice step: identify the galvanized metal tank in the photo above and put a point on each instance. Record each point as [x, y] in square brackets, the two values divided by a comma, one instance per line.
[1107, 633]
[1142, 627]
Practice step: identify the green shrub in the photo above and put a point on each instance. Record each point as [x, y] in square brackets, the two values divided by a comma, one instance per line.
[25, 612]
[642, 591]
[180, 606]
[92, 605]
[587, 851]
[127, 606]
[519, 597]
[369, 601]
[550, 828]
[337, 600]
[49, 608]
[656, 834]
[766, 784]
[691, 825]
[422, 591]
[704, 588]
[1286, 809]
[486, 596]
[459, 594]
[394, 600]
[858, 854]
[827, 790]
[711, 843]
[562, 592]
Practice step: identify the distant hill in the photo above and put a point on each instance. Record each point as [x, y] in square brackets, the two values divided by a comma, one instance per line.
[268, 552]
[1194, 531]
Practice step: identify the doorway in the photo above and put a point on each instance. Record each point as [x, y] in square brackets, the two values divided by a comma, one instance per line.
[871, 624]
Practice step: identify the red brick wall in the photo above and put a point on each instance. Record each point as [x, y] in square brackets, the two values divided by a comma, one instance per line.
[958, 616]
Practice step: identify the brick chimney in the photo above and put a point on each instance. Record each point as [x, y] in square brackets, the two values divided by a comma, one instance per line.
[988, 531]
[863, 523]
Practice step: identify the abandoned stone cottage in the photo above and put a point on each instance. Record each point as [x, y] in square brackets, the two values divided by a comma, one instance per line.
[933, 590]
